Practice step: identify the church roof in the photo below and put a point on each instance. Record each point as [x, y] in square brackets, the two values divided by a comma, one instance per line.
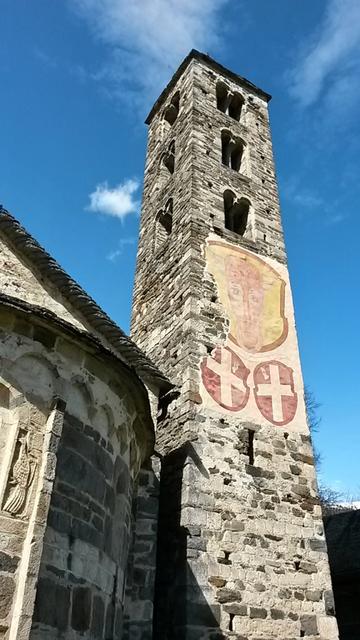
[216, 66]
[23, 243]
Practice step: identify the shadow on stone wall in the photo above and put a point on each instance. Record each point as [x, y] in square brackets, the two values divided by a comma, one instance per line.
[181, 610]
[343, 541]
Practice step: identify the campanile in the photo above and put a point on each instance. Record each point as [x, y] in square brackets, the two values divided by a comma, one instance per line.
[241, 547]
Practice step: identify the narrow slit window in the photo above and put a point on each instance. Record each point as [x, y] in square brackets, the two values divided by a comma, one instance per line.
[251, 435]
[236, 213]
[245, 446]
[231, 621]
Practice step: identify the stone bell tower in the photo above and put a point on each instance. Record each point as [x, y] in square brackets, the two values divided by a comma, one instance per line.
[241, 547]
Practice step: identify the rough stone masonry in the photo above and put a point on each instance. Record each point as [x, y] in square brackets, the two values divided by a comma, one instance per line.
[164, 489]
[76, 436]
[241, 548]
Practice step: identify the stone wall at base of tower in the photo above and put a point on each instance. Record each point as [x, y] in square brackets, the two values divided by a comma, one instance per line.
[242, 546]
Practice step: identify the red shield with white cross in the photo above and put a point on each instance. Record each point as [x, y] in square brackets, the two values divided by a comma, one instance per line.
[274, 392]
[225, 378]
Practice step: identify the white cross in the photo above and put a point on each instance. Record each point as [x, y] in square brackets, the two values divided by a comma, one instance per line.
[227, 378]
[276, 390]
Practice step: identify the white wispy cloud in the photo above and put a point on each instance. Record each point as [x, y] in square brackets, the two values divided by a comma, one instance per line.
[329, 63]
[148, 38]
[335, 219]
[306, 202]
[122, 243]
[118, 201]
[301, 196]
[307, 199]
[44, 58]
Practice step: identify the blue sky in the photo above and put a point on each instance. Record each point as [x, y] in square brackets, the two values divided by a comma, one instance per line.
[77, 80]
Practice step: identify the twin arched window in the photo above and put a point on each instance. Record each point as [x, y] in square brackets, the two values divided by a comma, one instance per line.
[229, 102]
[236, 211]
[232, 150]
[163, 224]
[169, 157]
[172, 109]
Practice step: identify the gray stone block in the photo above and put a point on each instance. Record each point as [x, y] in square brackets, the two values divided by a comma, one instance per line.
[309, 625]
[81, 609]
[52, 604]
[8, 563]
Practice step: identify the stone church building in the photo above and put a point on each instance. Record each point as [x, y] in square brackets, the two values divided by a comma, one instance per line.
[162, 487]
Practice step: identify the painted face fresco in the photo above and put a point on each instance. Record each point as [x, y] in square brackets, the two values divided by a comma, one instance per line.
[252, 294]
[246, 294]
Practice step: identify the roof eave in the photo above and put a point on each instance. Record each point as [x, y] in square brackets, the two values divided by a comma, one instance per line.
[80, 301]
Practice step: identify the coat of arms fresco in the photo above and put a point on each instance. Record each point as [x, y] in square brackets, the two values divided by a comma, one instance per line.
[225, 377]
[238, 376]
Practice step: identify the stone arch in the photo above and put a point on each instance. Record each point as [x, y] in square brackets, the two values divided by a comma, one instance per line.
[104, 420]
[35, 377]
[80, 401]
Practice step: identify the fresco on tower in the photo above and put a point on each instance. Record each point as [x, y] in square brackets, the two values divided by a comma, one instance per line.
[256, 372]
[252, 294]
